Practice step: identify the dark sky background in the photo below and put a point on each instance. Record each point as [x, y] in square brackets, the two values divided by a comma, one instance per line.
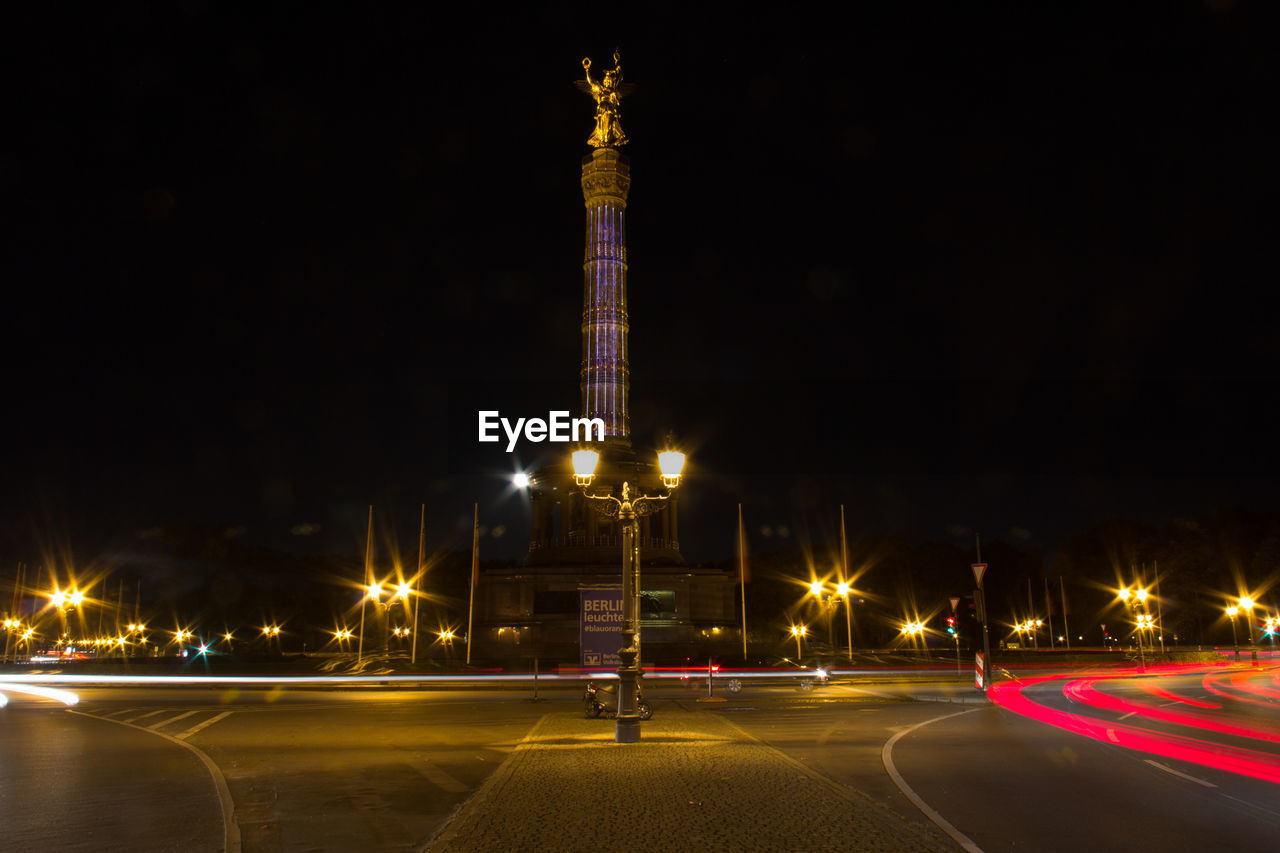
[1004, 269]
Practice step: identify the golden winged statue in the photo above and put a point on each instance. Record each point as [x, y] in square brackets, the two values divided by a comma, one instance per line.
[608, 93]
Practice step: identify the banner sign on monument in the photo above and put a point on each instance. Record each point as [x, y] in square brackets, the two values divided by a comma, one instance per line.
[600, 628]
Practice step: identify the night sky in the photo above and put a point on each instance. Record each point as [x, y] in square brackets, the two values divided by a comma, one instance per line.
[1005, 270]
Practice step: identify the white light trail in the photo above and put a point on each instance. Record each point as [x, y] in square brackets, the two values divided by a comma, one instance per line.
[66, 697]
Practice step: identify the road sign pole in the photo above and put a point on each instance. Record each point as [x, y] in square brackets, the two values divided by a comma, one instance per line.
[980, 569]
[955, 631]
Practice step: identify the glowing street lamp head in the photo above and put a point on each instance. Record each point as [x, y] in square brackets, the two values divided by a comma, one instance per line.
[671, 463]
[58, 598]
[76, 597]
[584, 466]
[815, 587]
[1124, 594]
[520, 480]
[374, 590]
[1232, 611]
[403, 589]
[1246, 602]
[1140, 594]
[842, 588]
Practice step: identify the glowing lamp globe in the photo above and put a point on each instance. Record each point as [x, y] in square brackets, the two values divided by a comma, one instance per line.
[584, 466]
[671, 463]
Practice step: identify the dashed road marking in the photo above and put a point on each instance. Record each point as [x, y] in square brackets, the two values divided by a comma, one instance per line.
[170, 720]
[1179, 773]
[144, 716]
[203, 725]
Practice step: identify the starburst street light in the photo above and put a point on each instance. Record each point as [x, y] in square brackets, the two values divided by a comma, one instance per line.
[830, 601]
[914, 629]
[1136, 600]
[798, 631]
[1246, 606]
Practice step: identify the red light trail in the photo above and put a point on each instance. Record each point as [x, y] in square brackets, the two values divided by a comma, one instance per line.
[1181, 746]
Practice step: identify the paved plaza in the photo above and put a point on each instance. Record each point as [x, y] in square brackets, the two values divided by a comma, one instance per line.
[695, 782]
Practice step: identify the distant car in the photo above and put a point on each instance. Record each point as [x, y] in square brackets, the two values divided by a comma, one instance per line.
[733, 672]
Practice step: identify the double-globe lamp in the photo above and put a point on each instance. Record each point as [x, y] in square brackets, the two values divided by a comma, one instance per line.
[628, 509]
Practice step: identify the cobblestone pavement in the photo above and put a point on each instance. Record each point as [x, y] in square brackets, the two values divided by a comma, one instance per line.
[695, 782]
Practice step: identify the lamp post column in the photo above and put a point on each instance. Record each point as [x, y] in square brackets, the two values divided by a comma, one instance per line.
[627, 728]
[1253, 649]
[1235, 639]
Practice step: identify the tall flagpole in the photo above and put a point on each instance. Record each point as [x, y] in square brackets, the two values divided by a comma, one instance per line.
[1159, 605]
[1048, 611]
[364, 591]
[742, 576]
[417, 583]
[8, 635]
[844, 578]
[475, 576]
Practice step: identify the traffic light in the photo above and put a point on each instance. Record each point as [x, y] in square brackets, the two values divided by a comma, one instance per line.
[951, 625]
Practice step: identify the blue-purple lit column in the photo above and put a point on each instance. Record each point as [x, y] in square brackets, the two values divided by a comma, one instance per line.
[606, 179]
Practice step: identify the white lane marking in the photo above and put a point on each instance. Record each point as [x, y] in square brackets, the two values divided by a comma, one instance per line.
[1187, 776]
[886, 755]
[170, 720]
[203, 725]
[230, 829]
[1128, 715]
[118, 713]
[144, 716]
[438, 776]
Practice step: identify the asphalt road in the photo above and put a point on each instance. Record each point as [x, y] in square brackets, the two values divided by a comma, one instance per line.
[378, 768]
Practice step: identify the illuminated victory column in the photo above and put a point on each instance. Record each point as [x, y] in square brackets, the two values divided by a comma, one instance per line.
[534, 608]
[606, 179]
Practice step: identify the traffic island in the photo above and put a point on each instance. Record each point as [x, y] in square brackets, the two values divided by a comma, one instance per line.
[693, 781]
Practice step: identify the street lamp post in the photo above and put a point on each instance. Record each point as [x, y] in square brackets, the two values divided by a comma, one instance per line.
[1136, 600]
[1246, 605]
[1235, 639]
[628, 510]
[829, 602]
[915, 630]
[1146, 622]
[798, 631]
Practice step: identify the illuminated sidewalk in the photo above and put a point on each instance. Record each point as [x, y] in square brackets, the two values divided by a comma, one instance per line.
[695, 782]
